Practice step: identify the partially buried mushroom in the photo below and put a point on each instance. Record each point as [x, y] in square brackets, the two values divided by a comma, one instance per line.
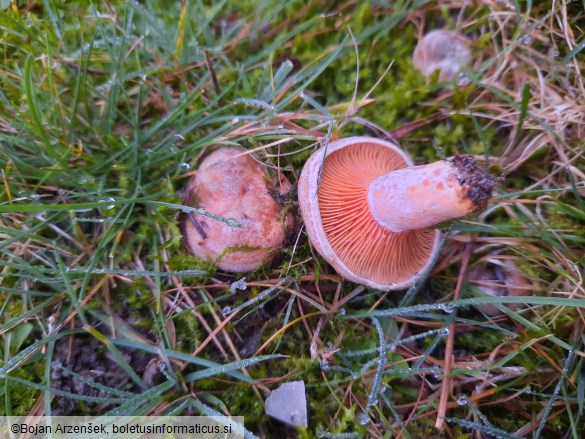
[367, 208]
[503, 278]
[442, 50]
[231, 184]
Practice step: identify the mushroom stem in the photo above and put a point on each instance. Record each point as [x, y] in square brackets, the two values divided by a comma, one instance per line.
[423, 196]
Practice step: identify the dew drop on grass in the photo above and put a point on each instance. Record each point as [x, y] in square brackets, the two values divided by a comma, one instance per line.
[443, 332]
[462, 79]
[391, 347]
[341, 311]
[226, 310]
[108, 200]
[174, 149]
[89, 220]
[235, 120]
[185, 166]
[527, 39]
[363, 418]
[553, 53]
[461, 399]
[240, 284]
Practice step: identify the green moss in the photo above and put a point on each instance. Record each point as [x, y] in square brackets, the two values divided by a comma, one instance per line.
[421, 427]
[183, 263]
[243, 400]
[484, 341]
[21, 397]
[188, 332]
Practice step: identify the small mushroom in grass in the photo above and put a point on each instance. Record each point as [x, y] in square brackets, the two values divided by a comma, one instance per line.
[231, 184]
[442, 50]
[501, 279]
[366, 208]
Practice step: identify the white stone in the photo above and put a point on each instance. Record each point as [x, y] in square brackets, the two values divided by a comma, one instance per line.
[288, 404]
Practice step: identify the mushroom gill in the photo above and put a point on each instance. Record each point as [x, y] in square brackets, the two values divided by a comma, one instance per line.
[363, 245]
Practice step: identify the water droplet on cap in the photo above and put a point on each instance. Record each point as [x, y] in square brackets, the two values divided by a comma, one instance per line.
[232, 222]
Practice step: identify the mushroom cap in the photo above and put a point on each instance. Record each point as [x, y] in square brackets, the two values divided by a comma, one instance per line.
[502, 279]
[333, 197]
[231, 184]
[442, 50]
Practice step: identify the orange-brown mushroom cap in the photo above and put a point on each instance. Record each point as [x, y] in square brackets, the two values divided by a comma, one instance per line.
[341, 225]
[231, 184]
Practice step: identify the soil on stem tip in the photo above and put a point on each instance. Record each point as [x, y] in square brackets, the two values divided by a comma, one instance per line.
[480, 183]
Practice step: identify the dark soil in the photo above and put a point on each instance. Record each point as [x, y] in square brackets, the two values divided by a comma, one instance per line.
[480, 183]
[88, 358]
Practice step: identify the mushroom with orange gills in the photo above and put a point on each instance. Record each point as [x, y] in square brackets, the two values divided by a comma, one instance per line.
[367, 208]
